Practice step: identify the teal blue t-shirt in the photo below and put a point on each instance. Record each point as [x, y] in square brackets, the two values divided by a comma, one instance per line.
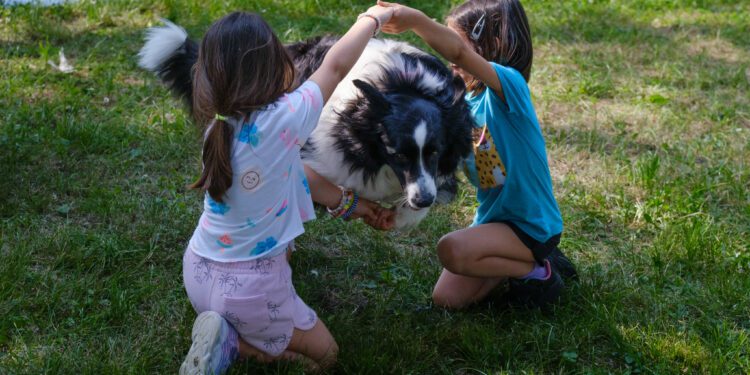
[509, 162]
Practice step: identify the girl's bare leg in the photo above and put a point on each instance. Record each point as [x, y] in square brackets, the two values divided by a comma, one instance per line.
[315, 349]
[476, 260]
[316, 344]
[456, 291]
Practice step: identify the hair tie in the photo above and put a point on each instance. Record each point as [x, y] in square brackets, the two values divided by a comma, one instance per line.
[476, 32]
[220, 117]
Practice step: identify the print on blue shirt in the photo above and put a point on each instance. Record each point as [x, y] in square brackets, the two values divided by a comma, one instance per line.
[263, 246]
[282, 209]
[216, 207]
[249, 134]
[305, 183]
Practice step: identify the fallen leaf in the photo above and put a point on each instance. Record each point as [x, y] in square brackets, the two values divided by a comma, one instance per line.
[64, 209]
[64, 66]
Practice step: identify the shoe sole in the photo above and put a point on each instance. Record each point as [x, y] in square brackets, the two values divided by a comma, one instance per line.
[206, 331]
[566, 269]
[540, 299]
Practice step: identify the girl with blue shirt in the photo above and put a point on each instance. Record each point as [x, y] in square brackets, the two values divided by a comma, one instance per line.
[517, 225]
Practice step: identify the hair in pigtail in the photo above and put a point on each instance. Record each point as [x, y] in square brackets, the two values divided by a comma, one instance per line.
[216, 176]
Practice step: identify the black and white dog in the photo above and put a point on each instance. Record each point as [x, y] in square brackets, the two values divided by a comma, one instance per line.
[394, 130]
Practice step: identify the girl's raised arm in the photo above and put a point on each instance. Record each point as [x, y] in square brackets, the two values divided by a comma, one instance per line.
[445, 41]
[342, 55]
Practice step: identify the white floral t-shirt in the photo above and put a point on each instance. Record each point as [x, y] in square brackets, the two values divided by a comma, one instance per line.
[263, 210]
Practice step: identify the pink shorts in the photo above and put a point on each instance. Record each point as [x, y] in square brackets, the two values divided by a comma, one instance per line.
[256, 297]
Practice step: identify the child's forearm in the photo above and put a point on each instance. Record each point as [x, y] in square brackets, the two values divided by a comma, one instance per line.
[342, 55]
[322, 190]
[442, 39]
[449, 44]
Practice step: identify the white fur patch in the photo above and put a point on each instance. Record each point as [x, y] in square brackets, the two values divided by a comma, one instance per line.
[161, 43]
[425, 182]
[431, 82]
[420, 134]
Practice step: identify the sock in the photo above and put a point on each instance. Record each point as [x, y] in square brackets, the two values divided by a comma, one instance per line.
[538, 272]
[227, 349]
[230, 349]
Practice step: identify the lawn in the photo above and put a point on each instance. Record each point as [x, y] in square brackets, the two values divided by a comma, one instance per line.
[645, 106]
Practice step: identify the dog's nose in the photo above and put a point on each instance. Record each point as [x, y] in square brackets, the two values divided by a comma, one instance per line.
[422, 200]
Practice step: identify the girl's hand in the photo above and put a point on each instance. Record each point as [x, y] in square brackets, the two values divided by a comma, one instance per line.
[382, 13]
[403, 19]
[374, 214]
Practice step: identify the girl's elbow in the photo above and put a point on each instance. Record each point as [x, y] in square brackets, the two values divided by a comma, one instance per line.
[454, 55]
[457, 55]
[337, 71]
[460, 54]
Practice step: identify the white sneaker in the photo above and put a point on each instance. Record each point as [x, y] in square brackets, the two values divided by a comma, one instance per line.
[214, 346]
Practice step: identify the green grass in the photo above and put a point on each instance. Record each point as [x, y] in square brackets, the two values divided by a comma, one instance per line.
[645, 107]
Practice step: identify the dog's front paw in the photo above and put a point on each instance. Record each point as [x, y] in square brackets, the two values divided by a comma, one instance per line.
[406, 217]
[447, 189]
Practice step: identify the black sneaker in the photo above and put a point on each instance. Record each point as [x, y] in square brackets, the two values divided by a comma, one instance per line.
[562, 264]
[536, 293]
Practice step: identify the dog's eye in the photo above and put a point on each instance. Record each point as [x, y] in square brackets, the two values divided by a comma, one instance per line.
[401, 158]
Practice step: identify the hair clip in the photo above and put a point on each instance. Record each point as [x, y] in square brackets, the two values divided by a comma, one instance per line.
[476, 32]
[220, 117]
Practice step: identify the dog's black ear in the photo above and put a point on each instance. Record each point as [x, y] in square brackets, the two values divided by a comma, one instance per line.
[375, 97]
[459, 89]
[457, 135]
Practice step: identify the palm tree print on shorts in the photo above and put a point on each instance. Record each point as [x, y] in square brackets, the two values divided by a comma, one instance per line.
[233, 319]
[277, 343]
[263, 265]
[229, 283]
[273, 311]
[202, 270]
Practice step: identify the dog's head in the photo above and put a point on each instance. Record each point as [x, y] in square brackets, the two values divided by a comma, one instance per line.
[416, 121]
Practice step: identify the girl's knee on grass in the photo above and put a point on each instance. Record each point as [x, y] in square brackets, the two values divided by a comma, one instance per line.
[450, 298]
[316, 344]
[315, 349]
[454, 291]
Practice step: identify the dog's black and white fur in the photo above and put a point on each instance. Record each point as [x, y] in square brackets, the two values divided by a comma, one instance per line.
[395, 129]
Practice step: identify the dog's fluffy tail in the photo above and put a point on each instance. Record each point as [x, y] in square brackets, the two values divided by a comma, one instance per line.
[170, 54]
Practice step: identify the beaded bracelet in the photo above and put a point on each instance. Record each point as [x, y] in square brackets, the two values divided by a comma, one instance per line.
[349, 202]
[345, 197]
[341, 202]
[350, 210]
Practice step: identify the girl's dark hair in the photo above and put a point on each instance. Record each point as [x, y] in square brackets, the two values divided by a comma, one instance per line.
[505, 38]
[242, 67]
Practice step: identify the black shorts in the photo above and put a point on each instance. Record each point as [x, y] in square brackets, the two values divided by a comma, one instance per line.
[540, 250]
